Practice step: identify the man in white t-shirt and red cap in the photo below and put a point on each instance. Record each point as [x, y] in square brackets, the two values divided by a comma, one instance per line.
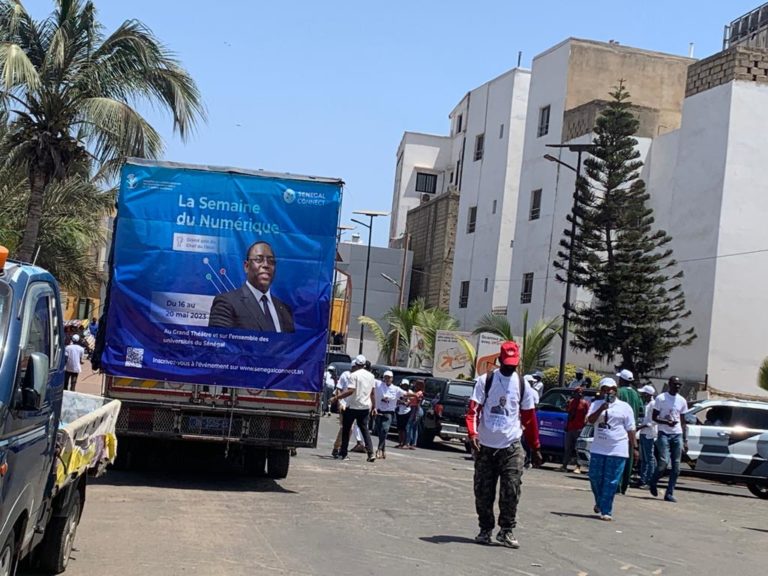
[501, 410]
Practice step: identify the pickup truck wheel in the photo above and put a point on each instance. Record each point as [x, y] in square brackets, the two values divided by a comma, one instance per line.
[8, 557]
[759, 489]
[59, 539]
[278, 462]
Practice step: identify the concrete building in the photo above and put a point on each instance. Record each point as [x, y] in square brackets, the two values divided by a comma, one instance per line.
[382, 294]
[479, 161]
[700, 126]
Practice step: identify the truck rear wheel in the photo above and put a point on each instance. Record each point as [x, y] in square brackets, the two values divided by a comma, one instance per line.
[278, 462]
[8, 556]
[59, 539]
[254, 460]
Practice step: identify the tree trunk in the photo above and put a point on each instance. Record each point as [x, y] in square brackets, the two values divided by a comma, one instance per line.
[37, 185]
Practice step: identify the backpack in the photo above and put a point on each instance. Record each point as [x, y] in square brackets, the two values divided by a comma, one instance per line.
[489, 383]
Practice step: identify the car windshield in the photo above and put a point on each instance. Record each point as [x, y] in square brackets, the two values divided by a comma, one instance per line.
[460, 390]
[555, 400]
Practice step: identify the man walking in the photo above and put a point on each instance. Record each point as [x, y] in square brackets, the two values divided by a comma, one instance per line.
[577, 409]
[647, 437]
[495, 435]
[74, 354]
[360, 399]
[668, 413]
[329, 385]
[628, 394]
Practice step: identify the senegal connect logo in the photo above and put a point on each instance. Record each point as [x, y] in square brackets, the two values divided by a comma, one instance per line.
[289, 196]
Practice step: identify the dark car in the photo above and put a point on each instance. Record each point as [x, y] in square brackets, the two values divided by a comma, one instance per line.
[445, 408]
[552, 418]
[399, 373]
[331, 357]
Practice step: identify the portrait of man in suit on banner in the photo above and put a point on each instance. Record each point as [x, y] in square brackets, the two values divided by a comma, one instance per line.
[253, 306]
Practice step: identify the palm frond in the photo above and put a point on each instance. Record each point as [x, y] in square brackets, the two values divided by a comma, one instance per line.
[493, 324]
[383, 340]
[16, 68]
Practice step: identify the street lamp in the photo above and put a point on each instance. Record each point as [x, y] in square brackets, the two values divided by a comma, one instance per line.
[371, 215]
[579, 149]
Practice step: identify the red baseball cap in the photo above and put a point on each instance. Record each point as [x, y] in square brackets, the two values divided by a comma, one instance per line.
[509, 354]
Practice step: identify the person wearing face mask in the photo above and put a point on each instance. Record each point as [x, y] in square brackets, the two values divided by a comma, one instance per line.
[668, 412]
[614, 441]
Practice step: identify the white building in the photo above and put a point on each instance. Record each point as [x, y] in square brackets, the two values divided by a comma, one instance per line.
[481, 159]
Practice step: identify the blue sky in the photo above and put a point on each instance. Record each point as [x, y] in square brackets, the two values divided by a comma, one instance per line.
[327, 87]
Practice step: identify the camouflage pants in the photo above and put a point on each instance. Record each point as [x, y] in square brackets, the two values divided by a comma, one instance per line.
[492, 465]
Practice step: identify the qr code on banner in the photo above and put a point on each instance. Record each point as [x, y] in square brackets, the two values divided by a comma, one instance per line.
[134, 357]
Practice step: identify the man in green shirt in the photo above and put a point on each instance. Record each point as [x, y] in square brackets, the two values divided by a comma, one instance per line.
[629, 395]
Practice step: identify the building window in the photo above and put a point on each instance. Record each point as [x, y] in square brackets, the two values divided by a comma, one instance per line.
[464, 294]
[493, 208]
[479, 146]
[527, 291]
[459, 121]
[426, 182]
[543, 121]
[501, 131]
[450, 178]
[471, 219]
[485, 285]
[535, 211]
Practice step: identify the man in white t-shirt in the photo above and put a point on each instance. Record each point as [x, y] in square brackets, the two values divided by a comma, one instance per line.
[614, 424]
[647, 437]
[501, 410]
[387, 397]
[360, 397]
[668, 413]
[341, 387]
[74, 354]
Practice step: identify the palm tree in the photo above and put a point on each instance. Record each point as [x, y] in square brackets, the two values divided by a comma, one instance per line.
[429, 322]
[70, 92]
[537, 342]
[762, 377]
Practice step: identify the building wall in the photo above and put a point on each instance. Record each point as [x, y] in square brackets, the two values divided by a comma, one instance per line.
[416, 153]
[382, 294]
[490, 184]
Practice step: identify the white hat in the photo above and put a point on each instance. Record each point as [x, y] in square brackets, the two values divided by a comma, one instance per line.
[609, 382]
[331, 368]
[388, 373]
[405, 382]
[648, 389]
[359, 360]
[529, 379]
[75, 338]
[626, 375]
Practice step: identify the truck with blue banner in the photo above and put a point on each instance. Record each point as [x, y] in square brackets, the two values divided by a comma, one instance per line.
[216, 320]
[50, 438]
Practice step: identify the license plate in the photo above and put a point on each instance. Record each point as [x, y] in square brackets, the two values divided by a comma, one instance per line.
[463, 429]
[208, 423]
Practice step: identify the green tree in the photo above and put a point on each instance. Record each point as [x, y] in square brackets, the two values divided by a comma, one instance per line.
[70, 91]
[638, 306]
[536, 344]
[762, 376]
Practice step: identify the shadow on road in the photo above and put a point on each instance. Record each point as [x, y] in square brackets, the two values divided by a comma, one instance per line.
[447, 539]
[224, 480]
[755, 529]
[574, 515]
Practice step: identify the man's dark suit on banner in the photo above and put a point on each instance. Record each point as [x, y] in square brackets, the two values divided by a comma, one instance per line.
[252, 306]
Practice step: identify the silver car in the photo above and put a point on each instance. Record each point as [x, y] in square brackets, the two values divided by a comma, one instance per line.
[727, 441]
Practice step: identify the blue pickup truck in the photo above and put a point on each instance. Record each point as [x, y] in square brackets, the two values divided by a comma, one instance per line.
[552, 418]
[49, 438]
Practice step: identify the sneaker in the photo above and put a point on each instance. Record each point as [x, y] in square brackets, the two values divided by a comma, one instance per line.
[371, 458]
[669, 498]
[596, 510]
[335, 452]
[378, 453]
[654, 490]
[383, 455]
[577, 470]
[483, 537]
[606, 517]
[507, 538]
[562, 469]
[342, 458]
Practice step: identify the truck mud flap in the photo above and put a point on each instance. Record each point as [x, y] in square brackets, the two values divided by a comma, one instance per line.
[262, 429]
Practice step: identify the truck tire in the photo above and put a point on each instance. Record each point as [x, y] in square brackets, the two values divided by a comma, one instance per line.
[59, 538]
[254, 460]
[278, 462]
[759, 489]
[8, 556]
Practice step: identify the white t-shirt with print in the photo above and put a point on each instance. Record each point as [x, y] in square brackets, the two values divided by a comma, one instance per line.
[648, 431]
[670, 408]
[499, 422]
[362, 382]
[611, 438]
[387, 396]
[341, 386]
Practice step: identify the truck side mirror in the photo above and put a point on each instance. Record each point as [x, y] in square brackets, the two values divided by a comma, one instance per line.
[35, 383]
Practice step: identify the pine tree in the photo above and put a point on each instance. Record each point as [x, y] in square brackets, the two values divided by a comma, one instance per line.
[638, 306]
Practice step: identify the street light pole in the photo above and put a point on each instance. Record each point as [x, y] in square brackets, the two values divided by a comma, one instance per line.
[579, 149]
[371, 215]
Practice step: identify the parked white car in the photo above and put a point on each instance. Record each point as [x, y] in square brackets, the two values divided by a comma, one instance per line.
[727, 441]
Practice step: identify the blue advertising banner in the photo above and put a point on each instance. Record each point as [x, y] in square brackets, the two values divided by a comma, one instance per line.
[221, 277]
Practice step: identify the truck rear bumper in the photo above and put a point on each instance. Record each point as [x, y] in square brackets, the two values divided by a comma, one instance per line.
[453, 432]
[275, 429]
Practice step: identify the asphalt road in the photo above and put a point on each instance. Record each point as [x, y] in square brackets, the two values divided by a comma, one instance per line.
[412, 513]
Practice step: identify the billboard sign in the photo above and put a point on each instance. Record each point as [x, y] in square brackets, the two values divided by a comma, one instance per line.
[451, 358]
[488, 346]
